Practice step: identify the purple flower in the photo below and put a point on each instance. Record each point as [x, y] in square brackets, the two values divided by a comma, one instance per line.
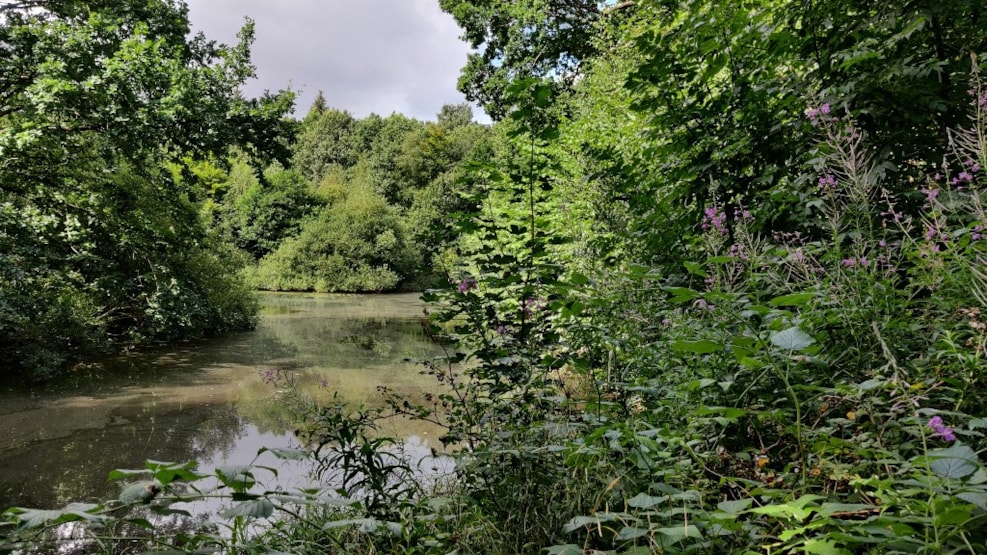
[940, 429]
[849, 262]
[323, 383]
[930, 194]
[466, 284]
[824, 109]
[827, 182]
[269, 376]
[714, 219]
[531, 304]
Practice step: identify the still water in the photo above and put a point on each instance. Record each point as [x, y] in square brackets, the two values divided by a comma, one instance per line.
[206, 400]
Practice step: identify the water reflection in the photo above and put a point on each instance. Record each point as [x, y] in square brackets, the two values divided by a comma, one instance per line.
[205, 400]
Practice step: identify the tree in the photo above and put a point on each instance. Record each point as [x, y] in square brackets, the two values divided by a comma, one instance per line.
[542, 39]
[325, 141]
[319, 106]
[355, 244]
[258, 213]
[97, 240]
[452, 116]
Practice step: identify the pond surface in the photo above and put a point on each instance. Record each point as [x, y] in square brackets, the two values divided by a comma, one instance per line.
[206, 400]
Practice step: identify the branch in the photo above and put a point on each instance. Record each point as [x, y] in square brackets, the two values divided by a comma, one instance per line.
[622, 5]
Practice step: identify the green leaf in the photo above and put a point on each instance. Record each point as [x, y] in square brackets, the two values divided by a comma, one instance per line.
[703, 346]
[36, 518]
[632, 532]
[695, 268]
[796, 299]
[582, 521]
[978, 498]
[792, 339]
[829, 509]
[676, 533]
[645, 501]
[365, 524]
[956, 461]
[166, 472]
[257, 508]
[823, 547]
[238, 477]
[120, 474]
[578, 279]
[139, 492]
[567, 549]
[141, 522]
[681, 294]
[734, 507]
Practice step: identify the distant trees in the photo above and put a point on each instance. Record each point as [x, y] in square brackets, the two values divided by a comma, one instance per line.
[364, 206]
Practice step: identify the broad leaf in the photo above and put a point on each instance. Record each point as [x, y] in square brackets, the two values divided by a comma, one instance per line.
[734, 507]
[792, 339]
[956, 461]
[257, 508]
[139, 492]
[796, 299]
[703, 346]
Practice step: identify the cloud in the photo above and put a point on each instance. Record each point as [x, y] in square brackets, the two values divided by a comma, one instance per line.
[379, 56]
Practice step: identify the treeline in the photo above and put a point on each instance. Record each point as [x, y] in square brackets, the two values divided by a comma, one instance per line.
[362, 204]
[142, 197]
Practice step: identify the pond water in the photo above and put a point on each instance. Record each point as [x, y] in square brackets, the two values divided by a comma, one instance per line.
[206, 400]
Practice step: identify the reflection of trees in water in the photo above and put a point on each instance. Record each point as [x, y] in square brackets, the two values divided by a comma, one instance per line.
[219, 433]
[306, 334]
[350, 342]
[52, 473]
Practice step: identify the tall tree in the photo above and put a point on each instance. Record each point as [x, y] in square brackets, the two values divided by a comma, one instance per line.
[542, 39]
[96, 239]
[323, 142]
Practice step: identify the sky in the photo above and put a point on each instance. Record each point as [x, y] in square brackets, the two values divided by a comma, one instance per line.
[367, 56]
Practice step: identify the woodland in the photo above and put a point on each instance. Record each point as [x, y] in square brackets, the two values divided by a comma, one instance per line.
[712, 282]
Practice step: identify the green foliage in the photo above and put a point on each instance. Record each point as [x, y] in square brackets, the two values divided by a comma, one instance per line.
[356, 244]
[518, 40]
[325, 141]
[721, 294]
[387, 188]
[97, 242]
[257, 214]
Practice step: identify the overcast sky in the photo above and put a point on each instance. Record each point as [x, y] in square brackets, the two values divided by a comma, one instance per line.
[367, 56]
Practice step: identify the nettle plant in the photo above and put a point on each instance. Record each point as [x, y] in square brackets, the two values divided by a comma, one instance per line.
[820, 390]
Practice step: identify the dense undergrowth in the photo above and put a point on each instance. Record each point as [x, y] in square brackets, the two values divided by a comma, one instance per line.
[738, 316]
[793, 394]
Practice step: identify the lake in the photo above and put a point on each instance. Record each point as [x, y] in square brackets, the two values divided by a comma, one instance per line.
[206, 400]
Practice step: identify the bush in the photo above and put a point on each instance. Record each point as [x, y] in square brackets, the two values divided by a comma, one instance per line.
[355, 244]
